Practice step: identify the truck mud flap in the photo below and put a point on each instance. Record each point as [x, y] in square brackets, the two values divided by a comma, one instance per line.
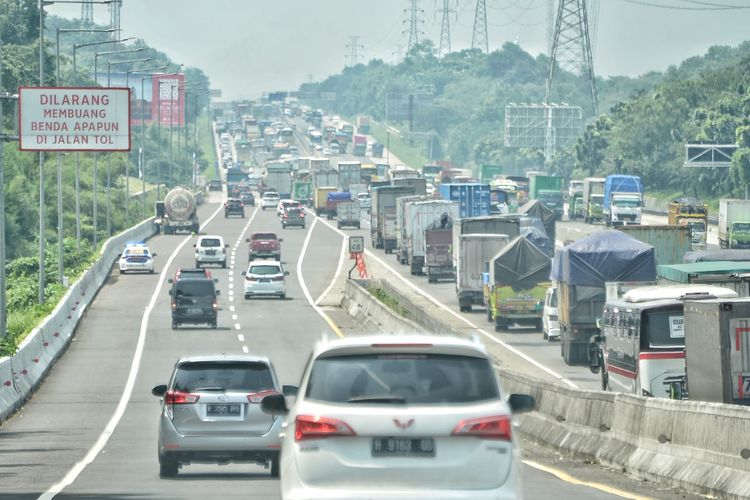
[574, 353]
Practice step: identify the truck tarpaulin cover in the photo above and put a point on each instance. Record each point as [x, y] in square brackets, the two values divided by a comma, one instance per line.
[520, 265]
[735, 255]
[339, 196]
[533, 229]
[536, 208]
[444, 222]
[604, 256]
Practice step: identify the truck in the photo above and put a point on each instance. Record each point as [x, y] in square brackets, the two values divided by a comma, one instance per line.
[401, 222]
[236, 177]
[734, 223]
[419, 184]
[581, 270]
[177, 212]
[363, 125]
[332, 201]
[278, 178]
[321, 197]
[516, 284]
[348, 214]
[474, 250]
[383, 230]
[302, 191]
[623, 200]
[511, 225]
[489, 172]
[473, 199]
[418, 216]
[326, 178]
[350, 172]
[693, 214]
[670, 243]
[320, 164]
[359, 146]
[729, 274]
[548, 218]
[593, 199]
[539, 183]
[438, 240]
[377, 150]
[403, 172]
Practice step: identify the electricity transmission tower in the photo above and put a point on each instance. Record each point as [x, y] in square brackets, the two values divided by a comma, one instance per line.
[479, 39]
[354, 47]
[571, 48]
[415, 21]
[114, 19]
[445, 28]
[87, 13]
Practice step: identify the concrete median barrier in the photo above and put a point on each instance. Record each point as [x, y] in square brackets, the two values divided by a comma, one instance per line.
[701, 447]
[369, 311]
[37, 353]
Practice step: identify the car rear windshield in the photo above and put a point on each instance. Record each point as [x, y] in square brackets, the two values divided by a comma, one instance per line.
[264, 236]
[264, 270]
[210, 242]
[223, 375]
[195, 288]
[402, 378]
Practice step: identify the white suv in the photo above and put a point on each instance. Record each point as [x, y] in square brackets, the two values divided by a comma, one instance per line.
[550, 320]
[270, 199]
[210, 250]
[388, 416]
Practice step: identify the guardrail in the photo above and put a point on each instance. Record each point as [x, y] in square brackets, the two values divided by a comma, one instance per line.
[701, 447]
[22, 373]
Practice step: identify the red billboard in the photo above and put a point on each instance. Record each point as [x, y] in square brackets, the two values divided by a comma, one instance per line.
[168, 99]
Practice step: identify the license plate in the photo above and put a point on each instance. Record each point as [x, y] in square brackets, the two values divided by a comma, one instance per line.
[194, 310]
[210, 252]
[264, 280]
[223, 410]
[403, 447]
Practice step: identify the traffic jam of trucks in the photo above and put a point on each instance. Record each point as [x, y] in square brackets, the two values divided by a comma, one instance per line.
[631, 302]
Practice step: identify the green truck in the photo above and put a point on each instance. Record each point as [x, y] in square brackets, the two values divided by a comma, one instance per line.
[593, 199]
[302, 191]
[515, 286]
[548, 190]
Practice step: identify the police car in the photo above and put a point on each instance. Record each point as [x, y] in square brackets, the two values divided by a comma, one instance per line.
[136, 257]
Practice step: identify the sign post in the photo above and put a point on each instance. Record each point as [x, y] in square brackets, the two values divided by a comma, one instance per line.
[356, 249]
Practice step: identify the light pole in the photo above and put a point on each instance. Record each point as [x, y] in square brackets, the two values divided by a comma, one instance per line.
[198, 92]
[141, 164]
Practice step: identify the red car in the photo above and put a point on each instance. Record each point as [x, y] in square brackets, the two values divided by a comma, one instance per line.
[264, 245]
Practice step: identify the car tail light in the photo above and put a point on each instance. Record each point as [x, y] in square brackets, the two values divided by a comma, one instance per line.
[216, 305]
[257, 397]
[312, 427]
[251, 278]
[497, 427]
[278, 278]
[180, 398]
[174, 305]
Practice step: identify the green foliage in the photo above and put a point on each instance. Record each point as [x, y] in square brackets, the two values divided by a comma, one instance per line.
[389, 300]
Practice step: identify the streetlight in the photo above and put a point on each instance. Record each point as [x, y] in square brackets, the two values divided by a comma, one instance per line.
[109, 75]
[77, 154]
[198, 92]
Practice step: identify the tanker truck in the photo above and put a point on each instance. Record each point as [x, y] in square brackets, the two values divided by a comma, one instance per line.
[177, 212]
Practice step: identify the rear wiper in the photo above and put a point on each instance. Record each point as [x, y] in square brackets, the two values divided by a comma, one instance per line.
[199, 389]
[377, 399]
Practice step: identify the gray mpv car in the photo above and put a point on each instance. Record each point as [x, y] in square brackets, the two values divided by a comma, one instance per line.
[211, 413]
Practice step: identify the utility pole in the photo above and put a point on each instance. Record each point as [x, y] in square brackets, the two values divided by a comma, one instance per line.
[42, 243]
[479, 39]
[114, 18]
[354, 47]
[415, 22]
[571, 48]
[445, 28]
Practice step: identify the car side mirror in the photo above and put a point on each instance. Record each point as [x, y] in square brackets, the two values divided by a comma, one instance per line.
[286, 273]
[521, 403]
[170, 281]
[216, 280]
[274, 404]
[218, 292]
[153, 255]
[194, 245]
[159, 391]
[119, 255]
[247, 240]
[226, 245]
[281, 240]
[244, 273]
[289, 390]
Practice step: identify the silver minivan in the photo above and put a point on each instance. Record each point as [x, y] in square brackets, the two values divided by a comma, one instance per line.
[550, 320]
[210, 413]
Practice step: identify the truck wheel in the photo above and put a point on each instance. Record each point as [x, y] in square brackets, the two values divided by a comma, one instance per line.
[489, 315]
[499, 325]
[197, 264]
[540, 325]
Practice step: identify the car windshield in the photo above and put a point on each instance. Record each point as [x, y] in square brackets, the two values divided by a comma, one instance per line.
[210, 242]
[741, 226]
[663, 328]
[270, 195]
[404, 377]
[225, 375]
[553, 298]
[264, 270]
[264, 236]
[195, 288]
[627, 202]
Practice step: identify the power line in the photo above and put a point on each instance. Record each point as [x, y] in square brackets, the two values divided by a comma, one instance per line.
[445, 28]
[354, 47]
[479, 39]
[704, 5]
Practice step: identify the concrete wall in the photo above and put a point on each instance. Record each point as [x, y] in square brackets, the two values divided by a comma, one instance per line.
[702, 447]
[22, 373]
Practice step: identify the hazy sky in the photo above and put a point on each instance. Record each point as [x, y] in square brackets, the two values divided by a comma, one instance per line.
[247, 47]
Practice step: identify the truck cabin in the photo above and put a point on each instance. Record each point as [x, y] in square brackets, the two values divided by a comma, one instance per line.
[627, 201]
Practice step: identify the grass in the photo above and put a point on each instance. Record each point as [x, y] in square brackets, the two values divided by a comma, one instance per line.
[388, 300]
[411, 156]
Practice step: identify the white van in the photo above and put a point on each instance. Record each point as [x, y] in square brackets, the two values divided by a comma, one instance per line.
[550, 321]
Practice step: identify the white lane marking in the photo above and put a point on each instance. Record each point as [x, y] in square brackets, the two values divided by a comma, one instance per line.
[240, 337]
[439, 304]
[231, 278]
[231, 285]
[127, 391]
[245, 349]
[234, 317]
[231, 299]
[342, 253]
[231, 308]
[236, 326]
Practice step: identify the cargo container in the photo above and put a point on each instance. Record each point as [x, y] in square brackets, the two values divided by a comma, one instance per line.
[489, 172]
[348, 214]
[734, 223]
[326, 178]
[418, 216]
[320, 164]
[473, 199]
[363, 125]
[383, 231]
[278, 178]
[377, 150]
[593, 199]
[670, 243]
[539, 183]
[359, 148]
[474, 253]
[515, 285]
[439, 251]
[419, 184]
[350, 172]
[403, 172]
[321, 197]
[401, 223]
[623, 200]
[717, 350]
[730, 274]
[332, 201]
[582, 270]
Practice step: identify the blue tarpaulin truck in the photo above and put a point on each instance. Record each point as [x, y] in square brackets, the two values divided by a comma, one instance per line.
[623, 200]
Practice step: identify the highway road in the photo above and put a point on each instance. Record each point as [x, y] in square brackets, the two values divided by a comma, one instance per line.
[91, 429]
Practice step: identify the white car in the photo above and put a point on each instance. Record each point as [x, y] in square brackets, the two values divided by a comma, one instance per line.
[265, 277]
[136, 257]
[365, 201]
[210, 249]
[550, 320]
[286, 203]
[270, 199]
[387, 416]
